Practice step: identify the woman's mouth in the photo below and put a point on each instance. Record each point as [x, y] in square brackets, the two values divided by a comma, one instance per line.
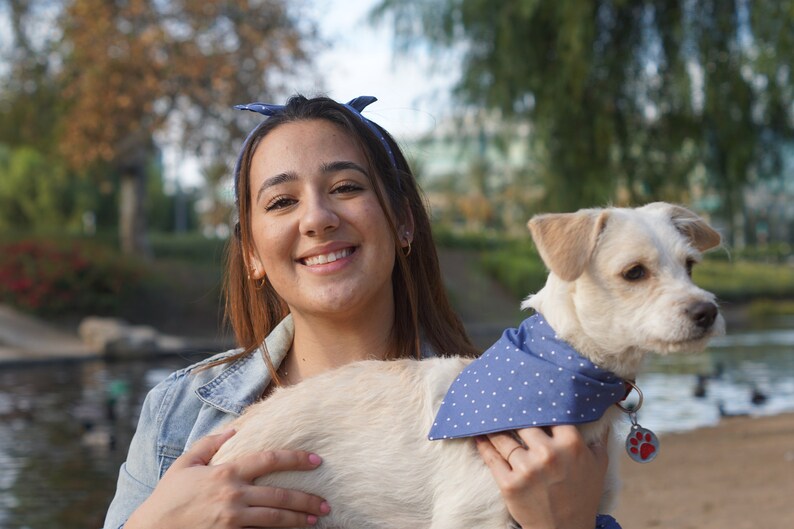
[327, 257]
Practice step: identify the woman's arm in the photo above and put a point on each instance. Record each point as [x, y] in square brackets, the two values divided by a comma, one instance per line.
[555, 480]
[139, 474]
[193, 494]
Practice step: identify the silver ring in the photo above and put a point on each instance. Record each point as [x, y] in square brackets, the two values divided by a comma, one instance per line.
[636, 408]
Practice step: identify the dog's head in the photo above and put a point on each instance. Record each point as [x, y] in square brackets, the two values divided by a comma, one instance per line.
[620, 282]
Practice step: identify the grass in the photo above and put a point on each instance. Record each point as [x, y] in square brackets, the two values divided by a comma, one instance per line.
[189, 267]
[767, 279]
[746, 280]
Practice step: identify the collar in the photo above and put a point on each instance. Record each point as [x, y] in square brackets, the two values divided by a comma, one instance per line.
[529, 377]
[242, 382]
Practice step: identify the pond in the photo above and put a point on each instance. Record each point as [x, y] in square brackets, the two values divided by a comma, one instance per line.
[64, 427]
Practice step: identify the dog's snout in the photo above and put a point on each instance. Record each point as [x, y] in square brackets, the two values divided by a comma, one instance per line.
[703, 313]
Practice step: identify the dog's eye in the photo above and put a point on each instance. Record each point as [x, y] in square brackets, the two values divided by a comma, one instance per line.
[690, 264]
[635, 273]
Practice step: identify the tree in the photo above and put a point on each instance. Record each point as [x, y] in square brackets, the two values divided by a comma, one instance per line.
[33, 192]
[128, 69]
[630, 94]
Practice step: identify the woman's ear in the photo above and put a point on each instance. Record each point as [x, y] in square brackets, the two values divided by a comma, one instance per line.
[405, 232]
[254, 266]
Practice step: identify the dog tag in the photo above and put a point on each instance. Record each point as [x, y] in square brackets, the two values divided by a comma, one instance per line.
[642, 445]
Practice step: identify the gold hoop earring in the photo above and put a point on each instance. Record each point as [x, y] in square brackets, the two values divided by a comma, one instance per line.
[407, 253]
[260, 284]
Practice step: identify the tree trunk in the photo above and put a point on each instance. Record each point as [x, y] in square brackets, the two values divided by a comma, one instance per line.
[132, 212]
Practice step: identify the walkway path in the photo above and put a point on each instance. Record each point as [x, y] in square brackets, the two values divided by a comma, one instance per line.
[485, 306]
[24, 338]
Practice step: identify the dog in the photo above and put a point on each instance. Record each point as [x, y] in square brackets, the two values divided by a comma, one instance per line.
[619, 287]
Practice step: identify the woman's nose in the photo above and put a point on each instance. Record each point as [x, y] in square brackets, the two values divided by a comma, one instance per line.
[318, 217]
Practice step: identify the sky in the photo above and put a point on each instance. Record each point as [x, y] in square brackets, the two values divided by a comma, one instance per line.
[413, 95]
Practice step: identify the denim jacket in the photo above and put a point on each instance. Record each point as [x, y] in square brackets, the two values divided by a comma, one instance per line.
[185, 407]
[194, 402]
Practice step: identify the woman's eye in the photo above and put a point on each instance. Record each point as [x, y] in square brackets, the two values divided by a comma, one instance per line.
[635, 273]
[347, 187]
[279, 202]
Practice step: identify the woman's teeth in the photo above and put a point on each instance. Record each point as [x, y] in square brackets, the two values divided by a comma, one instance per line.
[327, 258]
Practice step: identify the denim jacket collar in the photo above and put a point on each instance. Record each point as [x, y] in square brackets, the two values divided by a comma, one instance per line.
[244, 381]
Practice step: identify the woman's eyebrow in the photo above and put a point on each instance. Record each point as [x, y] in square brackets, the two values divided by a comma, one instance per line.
[280, 178]
[327, 167]
[331, 167]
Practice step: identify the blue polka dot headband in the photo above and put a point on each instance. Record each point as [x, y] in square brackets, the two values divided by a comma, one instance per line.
[355, 105]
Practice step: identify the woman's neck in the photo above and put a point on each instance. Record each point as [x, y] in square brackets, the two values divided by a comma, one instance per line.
[321, 344]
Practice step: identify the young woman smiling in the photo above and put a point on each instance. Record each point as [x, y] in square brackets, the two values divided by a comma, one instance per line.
[332, 262]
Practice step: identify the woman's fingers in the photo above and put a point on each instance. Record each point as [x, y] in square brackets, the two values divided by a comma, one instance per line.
[258, 464]
[202, 450]
[506, 444]
[270, 517]
[290, 500]
[549, 477]
[271, 507]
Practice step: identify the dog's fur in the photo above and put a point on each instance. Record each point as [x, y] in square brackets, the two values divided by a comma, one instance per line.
[369, 420]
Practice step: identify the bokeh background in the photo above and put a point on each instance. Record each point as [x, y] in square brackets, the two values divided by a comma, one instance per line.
[117, 140]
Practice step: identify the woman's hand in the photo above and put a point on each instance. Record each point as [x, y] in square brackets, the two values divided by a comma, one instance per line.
[194, 495]
[554, 480]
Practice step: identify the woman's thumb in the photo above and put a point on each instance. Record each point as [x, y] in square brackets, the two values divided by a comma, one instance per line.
[202, 450]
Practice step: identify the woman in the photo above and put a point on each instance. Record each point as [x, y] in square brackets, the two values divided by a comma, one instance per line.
[332, 261]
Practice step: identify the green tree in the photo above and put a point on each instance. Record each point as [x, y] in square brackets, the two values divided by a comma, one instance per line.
[127, 70]
[34, 194]
[629, 94]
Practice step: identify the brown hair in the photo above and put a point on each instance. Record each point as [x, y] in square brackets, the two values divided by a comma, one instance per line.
[422, 309]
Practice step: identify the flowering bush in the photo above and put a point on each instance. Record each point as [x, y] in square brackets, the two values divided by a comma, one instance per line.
[47, 277]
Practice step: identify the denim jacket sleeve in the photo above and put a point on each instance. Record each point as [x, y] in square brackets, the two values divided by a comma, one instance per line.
[141, 472]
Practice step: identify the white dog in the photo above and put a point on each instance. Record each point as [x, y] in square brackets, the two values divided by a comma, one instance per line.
[619, 287]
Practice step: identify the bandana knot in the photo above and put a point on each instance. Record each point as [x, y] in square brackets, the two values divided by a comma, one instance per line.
[529, 377]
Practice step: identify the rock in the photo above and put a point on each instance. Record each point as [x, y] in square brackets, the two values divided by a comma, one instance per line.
[116, 338]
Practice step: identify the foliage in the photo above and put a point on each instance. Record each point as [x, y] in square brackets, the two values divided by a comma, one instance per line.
[764, 309]
[113, 76]
[48, 277]
[516, 264]
[519, 269]
[629, 101]
[779, 253]
[189, 247]
[33, 191]
[744, 280]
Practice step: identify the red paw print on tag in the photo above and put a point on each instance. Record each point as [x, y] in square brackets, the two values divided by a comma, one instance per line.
[642, 445]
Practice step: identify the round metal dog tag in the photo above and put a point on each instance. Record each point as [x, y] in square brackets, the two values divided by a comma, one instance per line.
[642, 444]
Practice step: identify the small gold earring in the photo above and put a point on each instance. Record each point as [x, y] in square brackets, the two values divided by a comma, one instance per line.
[260, 284]
[407, 253]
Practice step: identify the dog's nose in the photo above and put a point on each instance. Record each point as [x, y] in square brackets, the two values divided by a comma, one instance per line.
[703, 313]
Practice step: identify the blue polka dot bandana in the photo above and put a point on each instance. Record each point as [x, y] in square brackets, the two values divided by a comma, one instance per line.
[529, 377]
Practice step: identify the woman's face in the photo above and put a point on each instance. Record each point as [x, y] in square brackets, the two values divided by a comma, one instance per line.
[319, 233]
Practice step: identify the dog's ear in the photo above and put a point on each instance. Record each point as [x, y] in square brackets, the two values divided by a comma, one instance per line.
[693, 227]
[566, 241]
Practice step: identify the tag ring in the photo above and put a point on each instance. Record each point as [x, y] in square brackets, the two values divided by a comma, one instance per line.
[639, 402]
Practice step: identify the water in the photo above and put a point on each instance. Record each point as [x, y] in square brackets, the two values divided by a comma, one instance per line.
[64, 430]
[759, 362]
[64, 427]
